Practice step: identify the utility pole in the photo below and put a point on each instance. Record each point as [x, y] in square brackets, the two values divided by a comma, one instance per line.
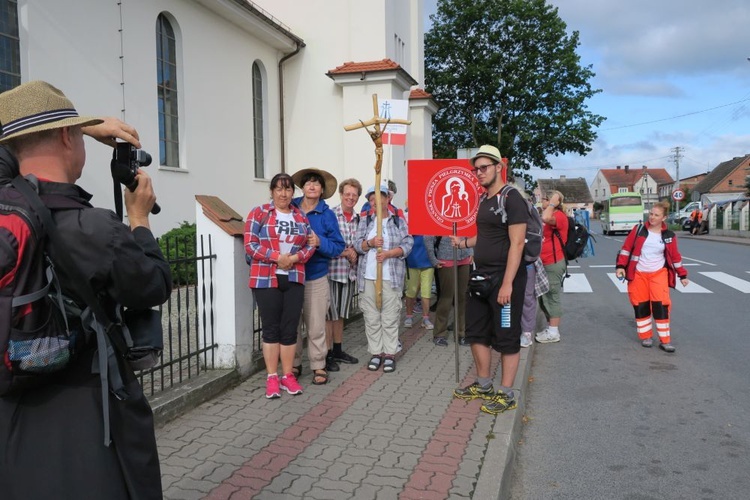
[677, 155]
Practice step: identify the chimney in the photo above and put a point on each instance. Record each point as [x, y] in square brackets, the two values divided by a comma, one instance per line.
[627, 167]
[618, 167]
[562, 177]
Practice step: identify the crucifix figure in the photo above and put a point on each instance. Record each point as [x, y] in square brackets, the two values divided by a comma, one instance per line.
[376, 134]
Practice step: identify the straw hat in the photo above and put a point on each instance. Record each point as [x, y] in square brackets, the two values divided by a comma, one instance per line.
[331, 184]
[35, 107]
[487, 151]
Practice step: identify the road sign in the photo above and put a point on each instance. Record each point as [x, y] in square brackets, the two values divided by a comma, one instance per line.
[678, 195]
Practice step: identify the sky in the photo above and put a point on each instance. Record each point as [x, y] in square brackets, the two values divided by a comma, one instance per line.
[672, 74]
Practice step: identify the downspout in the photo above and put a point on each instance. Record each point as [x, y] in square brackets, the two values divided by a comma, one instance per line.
[281, 102]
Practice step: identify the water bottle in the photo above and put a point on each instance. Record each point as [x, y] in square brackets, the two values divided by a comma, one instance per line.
[505, 316]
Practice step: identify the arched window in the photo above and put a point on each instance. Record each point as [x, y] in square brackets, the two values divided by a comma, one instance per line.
[166, 87]
[258, 123]
[10, 57]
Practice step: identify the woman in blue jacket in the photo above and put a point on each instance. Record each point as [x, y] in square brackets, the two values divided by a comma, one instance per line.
[317, 185]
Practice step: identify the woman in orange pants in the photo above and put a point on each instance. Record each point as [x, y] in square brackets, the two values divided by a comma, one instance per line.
[649, 260]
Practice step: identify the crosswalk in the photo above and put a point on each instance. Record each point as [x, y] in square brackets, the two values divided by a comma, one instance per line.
[699, 282]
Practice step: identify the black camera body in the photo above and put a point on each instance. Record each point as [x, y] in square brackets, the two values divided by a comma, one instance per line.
[126, 160]
[125, 163]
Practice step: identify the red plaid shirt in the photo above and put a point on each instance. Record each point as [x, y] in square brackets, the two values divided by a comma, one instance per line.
[339, 269]
[262, 246]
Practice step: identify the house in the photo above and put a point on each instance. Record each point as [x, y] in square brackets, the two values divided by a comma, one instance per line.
[227, 93]
[725, 182]
[642, 180]
[576, 192]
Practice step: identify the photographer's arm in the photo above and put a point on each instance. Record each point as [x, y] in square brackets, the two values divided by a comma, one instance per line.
[140, 201]
[112, 129]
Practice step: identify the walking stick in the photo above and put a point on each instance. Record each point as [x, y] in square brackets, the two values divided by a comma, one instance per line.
[455, 301]
[376, 134]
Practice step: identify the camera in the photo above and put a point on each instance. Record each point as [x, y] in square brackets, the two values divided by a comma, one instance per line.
[126, 160]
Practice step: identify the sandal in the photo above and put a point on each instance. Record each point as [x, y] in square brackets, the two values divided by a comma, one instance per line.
[389, 363]
[320, 377]
[374, 363]
[297, 371]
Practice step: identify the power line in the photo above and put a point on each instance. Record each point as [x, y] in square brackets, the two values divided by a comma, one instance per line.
[674, 117]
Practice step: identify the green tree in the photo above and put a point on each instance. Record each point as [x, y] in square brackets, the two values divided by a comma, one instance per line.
[506, 72]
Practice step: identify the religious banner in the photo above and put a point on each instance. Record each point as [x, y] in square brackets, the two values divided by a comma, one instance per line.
[442, 192]
[394, 133]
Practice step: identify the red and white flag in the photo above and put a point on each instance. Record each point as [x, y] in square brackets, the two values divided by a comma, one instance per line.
[394, 133]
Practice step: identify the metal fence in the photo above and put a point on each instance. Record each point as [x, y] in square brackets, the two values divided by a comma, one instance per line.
[187, 317]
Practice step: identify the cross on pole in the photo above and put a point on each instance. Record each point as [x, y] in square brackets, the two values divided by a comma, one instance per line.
[376, 134]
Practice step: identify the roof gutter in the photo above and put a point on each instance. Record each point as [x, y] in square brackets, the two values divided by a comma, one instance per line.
[299, 44]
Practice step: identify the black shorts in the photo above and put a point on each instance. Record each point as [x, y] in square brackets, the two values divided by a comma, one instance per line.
[483, 318]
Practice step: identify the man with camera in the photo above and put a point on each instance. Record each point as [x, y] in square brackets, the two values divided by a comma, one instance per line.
[51, 435]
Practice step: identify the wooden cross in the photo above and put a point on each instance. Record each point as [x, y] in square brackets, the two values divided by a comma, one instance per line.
[376, 134]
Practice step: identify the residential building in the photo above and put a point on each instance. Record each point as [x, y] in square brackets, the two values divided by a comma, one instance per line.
[642, 180]
[725, 182]
[576, 192]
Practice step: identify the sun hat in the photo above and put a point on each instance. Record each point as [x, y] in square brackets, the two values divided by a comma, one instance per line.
[330, 182]
[35, 107]
[487, 151]
[383, 190]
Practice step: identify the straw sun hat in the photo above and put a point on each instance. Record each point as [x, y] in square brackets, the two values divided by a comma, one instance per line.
[330, 183]
[35, 107]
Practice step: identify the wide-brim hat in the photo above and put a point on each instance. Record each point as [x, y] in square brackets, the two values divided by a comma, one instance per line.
[487, 151]
[331, 184]
[35, 107]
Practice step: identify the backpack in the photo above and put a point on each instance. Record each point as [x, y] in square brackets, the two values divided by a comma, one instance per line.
[534, 226]
[578, 238]
[35, 339]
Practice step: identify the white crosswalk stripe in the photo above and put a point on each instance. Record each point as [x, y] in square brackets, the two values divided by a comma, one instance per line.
[577, 283]
[729, 280]
[692, 287]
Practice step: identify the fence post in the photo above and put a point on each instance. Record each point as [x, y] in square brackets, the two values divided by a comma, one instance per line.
[231, 301]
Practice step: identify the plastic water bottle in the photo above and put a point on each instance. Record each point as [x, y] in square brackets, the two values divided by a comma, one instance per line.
[505, 316]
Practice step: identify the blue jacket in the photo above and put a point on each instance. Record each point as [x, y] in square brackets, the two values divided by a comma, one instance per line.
[417, 258]
[323, 222]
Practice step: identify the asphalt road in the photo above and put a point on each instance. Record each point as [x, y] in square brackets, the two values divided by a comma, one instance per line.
[609, 419]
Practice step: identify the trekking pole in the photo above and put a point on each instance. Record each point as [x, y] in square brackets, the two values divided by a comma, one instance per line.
[455, 301]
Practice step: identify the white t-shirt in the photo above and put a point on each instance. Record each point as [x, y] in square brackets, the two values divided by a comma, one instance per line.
[371, 272]
[652, 254]
[286, 228]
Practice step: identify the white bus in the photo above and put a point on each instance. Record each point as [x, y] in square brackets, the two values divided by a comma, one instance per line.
[621, 212]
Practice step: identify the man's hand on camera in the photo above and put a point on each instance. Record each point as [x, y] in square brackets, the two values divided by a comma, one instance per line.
[111, 129]
[140, 201]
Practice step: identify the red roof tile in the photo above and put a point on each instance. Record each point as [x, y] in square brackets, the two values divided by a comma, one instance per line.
[621, 177]
[419, 94]
[358, 67]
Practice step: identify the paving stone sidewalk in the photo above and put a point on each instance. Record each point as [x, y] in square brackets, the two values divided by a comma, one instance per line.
[365, 435]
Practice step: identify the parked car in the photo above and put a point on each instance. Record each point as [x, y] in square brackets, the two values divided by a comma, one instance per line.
[687, 210]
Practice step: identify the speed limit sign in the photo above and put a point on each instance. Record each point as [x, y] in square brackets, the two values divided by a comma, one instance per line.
[678, 195]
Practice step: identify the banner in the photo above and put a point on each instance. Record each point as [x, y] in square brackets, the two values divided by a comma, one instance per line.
[394, 133]
[442, 192]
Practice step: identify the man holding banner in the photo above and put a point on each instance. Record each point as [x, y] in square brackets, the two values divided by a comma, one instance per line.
[493, 320]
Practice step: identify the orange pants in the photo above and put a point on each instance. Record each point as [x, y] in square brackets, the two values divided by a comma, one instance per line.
[649, 294]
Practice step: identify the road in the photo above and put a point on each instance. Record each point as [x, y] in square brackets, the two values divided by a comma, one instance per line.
[609, 419]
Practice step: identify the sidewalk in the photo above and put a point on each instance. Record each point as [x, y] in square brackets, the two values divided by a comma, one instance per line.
[365, 435]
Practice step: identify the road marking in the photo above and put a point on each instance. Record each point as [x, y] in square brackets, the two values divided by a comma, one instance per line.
[621, 285]
[696, 260]
[608, 265]
[692, 287]
[577, 283]
[729, 280]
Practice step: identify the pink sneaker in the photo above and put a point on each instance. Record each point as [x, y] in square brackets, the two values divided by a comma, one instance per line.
[272, 387]
[289, 384]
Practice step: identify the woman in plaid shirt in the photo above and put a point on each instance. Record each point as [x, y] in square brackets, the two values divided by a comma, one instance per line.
[277, 249]
[381, 326]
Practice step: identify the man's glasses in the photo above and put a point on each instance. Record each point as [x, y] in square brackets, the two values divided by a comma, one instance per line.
[482, 168]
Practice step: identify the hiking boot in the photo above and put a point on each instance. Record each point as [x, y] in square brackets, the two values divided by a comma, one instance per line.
[546, 337]
[474, 391]
[409, 322]
[427, 324]
[499, 403]
[441, 341]
[331, 365]
[666, 347]
[343, 357]
[289, 384]
[272, 387]
[647, 342]
[526, 339]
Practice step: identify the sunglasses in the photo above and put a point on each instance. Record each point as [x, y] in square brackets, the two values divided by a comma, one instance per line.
[482, 168]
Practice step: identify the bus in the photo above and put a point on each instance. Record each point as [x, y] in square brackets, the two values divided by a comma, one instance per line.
[621, 212]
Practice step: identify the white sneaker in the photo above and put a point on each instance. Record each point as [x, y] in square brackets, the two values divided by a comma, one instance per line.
[546, 337]
[526, 339]
[408, 322]
[427, 324]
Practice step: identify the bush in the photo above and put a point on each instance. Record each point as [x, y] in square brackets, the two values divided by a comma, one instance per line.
[178, 247]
